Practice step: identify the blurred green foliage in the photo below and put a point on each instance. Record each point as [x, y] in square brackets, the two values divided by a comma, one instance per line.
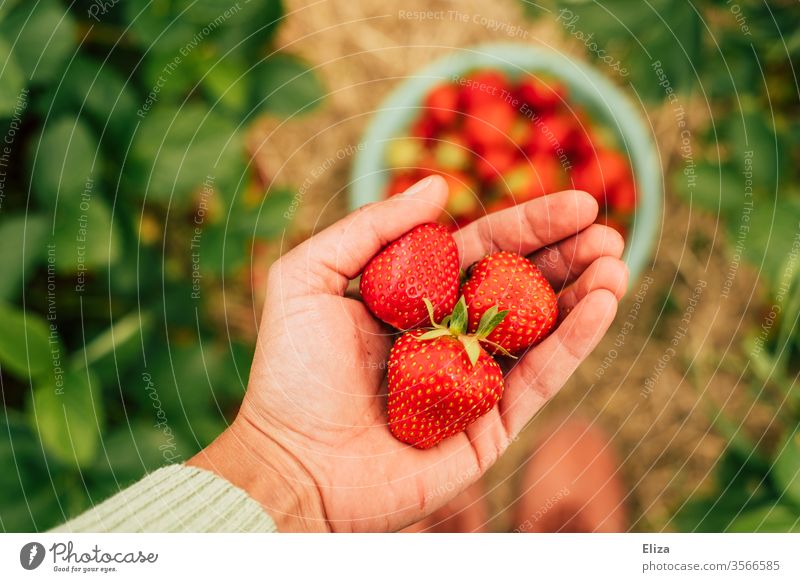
[735, 62]
[126, 196]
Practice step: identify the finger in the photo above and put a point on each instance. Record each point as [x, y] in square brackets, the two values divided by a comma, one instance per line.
[327, 261]
[564, 261]
[605, 273]
[541, 373]
[527, 227]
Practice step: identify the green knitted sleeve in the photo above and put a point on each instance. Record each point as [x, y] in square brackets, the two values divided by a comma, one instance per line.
[176, 498]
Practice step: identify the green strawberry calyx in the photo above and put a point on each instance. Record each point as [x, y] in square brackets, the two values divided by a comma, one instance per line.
[456, 323]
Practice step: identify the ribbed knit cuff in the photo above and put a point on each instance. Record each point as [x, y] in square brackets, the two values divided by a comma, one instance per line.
[176, 498]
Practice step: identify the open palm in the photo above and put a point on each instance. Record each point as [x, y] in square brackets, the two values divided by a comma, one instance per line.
[318, 384]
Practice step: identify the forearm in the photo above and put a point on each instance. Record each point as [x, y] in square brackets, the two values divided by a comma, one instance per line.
[270, 474]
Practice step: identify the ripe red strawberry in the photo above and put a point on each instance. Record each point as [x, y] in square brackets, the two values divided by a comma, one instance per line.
[616, 169]
[623, 198]
[540, 95]
[490, 125]
[587, 177]
[601, 174]
[583, 138]
[493, 163]
[442, 104]
[481, 88]
[554, 135]
[421, 264]
[508, 281]
[440, 382]
[424, 128]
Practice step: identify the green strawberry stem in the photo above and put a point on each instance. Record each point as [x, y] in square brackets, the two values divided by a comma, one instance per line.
[455, 325]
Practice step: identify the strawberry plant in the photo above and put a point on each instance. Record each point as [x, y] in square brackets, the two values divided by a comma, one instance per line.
[127, 199]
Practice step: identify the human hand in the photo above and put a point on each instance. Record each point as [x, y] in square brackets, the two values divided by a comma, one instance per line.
[311, 441]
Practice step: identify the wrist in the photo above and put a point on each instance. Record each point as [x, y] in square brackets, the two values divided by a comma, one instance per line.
[249, 459]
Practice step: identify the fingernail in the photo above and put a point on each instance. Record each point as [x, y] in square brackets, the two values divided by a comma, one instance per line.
[418, 187]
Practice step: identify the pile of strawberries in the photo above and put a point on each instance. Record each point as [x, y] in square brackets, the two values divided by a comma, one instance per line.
[442, 374]
[500, 143]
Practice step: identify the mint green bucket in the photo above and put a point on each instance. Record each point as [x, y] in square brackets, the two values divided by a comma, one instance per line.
[587, 86]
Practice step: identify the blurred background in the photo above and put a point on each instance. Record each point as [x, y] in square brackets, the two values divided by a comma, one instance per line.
[157, 156]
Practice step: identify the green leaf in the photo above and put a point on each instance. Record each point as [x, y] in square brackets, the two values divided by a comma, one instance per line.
[460, 317]
[6, 8]
[222, 250]
[740, 486]
[708, 514]
[85, 237]
[284, 85]
[156, 26]
[132, 450]
[472, 347]
[717, 189]
[429, 307]
[126, 333]
[433, 334]
[12, 83]
[192, 380]
[207, 428]
[98, 92]
[752, 141]
[490, 319]
[27, 499]
[22, 247]
[270, 219]
[254, 28]
[42, 35]
[167, 81]
[770, 519]
[786, 468]
[19, 454]
[728, 76]
[772, 228]
[739, 445]
[227, 84]
[68, 416]
[25, 349]
[182, 151]
[62, 161]
[633, 34]
[210, 26]
[789, 326]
